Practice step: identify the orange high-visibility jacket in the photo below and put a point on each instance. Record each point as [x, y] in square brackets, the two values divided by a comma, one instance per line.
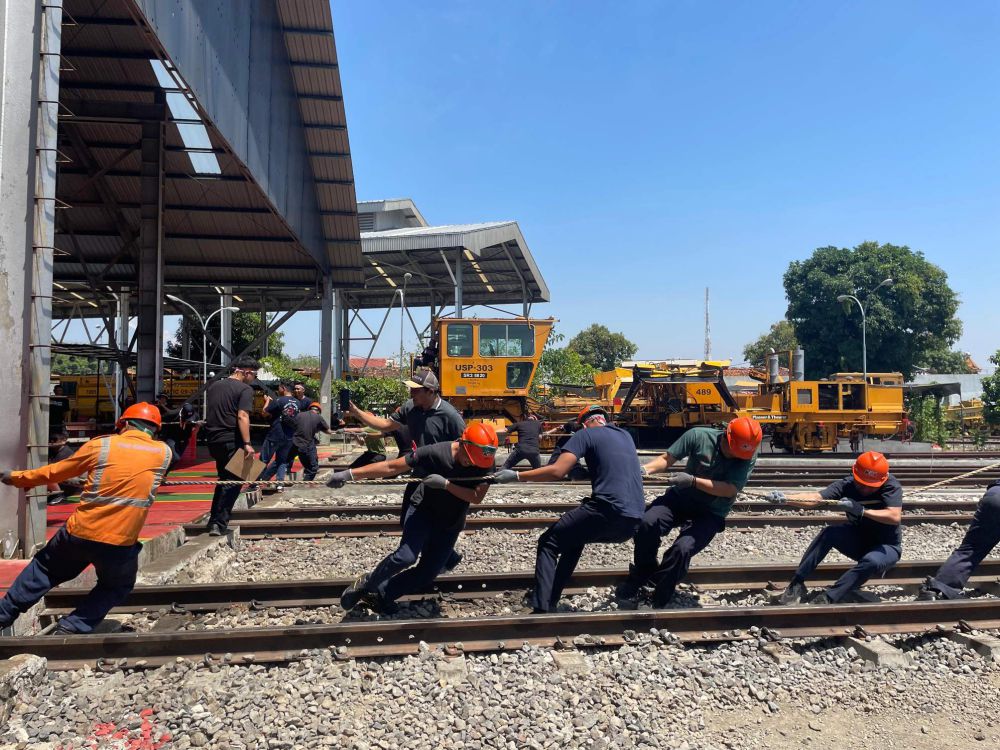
[123, 474]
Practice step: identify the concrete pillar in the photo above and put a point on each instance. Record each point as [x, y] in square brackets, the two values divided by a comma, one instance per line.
[458, 283]
[149, 369]
[226, 324]
[20, 45]
[345, 327]
[326, 352]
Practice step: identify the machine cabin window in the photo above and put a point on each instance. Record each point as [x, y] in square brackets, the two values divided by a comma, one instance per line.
[460, 340]
[518, 374]
[803, 396]
[506, 340]
[829, 396]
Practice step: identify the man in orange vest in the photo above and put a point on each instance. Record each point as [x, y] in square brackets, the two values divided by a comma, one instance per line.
[123, 474]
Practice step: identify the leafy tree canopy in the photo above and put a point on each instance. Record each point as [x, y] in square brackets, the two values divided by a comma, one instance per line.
[991, 393]
[780, 337]
[600, 348]
[908, 322]
[246, 327]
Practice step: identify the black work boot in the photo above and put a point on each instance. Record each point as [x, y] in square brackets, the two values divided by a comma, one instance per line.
[354, 593]
[794, 594]
[821, 598]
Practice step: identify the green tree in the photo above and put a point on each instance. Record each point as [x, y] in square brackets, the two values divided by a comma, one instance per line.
[600, 348]
[953, 362]
[991, 393]
[560, 366]
[66, 364]
[907, 322]
[780, 337]
[246, 327]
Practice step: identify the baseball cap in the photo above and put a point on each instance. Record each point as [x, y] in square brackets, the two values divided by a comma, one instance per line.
[424, 379]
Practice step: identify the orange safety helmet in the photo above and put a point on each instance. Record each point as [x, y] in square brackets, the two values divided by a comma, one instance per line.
[743, 435]
[589, 411]
[479, 441]
[315, 405]
[871, 469]
[142, 410]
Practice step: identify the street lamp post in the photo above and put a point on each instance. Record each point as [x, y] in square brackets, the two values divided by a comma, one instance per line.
[204, 342]
[864, 343]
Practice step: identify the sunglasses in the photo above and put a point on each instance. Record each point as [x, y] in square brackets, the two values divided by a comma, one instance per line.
[488, 450]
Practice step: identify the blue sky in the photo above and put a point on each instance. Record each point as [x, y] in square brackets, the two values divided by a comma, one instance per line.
[649, 149]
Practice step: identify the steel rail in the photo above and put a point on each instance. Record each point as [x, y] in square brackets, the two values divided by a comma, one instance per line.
[303, 512]
[311, 529]
[209, 597]
[399, 637]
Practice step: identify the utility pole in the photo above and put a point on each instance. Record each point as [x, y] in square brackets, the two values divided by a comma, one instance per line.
[708, 330]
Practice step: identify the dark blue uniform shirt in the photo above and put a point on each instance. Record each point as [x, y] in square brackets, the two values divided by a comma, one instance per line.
[614, 467]
[889, 495]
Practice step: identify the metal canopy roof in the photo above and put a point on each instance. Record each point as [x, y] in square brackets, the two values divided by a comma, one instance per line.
[498, 267]
[280, 211]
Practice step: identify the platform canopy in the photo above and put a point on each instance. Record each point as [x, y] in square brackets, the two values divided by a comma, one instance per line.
[257, 180]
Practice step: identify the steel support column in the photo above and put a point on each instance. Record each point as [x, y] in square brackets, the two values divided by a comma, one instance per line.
[345, 328]
[326, 344]
[264, 351]
[458, 283]
[225, 325]
[121, 371]
[338, 334]
[149, 365]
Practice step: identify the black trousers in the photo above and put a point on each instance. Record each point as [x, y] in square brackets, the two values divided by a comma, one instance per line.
[698, 526]
[225, 496]
[517, 455]
[983, 535]
[368, 457]
[560, 547]
[874, 557]
[308, 456]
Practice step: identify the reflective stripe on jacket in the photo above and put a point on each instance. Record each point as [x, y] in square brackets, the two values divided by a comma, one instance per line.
[123, 474]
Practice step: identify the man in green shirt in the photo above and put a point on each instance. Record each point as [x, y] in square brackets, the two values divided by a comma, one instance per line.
[374, 442]
[718, 465]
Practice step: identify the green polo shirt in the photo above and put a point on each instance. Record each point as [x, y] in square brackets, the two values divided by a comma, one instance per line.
[701, 447]
[374, 441]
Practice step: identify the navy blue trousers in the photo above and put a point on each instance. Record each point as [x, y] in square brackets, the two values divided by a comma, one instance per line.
[423, 550]
[517, 455]
[271, 453]
[698, 526]
[983, 535]
[63, 559]
[560, 547]
[308, 456]
[224, 497]
[874, 558]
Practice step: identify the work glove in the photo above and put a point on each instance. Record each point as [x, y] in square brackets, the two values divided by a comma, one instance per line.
[777, 497]
[681, 480]
[852, 508]
[505, 476]
[642, 470]
[435, 482]
[5, 476]
[339, 478]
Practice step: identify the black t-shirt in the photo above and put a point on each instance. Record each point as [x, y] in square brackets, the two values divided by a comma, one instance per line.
[58, 407]
[889, 495]
[439, 424]
[609, 453]
[403, 441]
[527, 431]
[437, 459]
[307, 424]
[225, 398]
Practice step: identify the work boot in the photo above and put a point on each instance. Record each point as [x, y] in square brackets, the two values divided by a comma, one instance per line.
[794, 594]
[215, 530]
[380, 605]
[62, 630]
[821, 598]
[56, 498]
[354, 593]
[453, 560]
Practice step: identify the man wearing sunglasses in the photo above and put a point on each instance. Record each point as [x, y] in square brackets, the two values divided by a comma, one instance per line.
[227, 430]
[611, 514]
[453, 476]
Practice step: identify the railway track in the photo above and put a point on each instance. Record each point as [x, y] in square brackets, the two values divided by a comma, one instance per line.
[311, 529]
[211, 597]
[303, 512]
[350, 639]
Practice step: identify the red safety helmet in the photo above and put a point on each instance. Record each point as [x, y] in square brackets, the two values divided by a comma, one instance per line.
[743, 435]
[479, 441]
[142, 410]
[871, 469]
[589, 411]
